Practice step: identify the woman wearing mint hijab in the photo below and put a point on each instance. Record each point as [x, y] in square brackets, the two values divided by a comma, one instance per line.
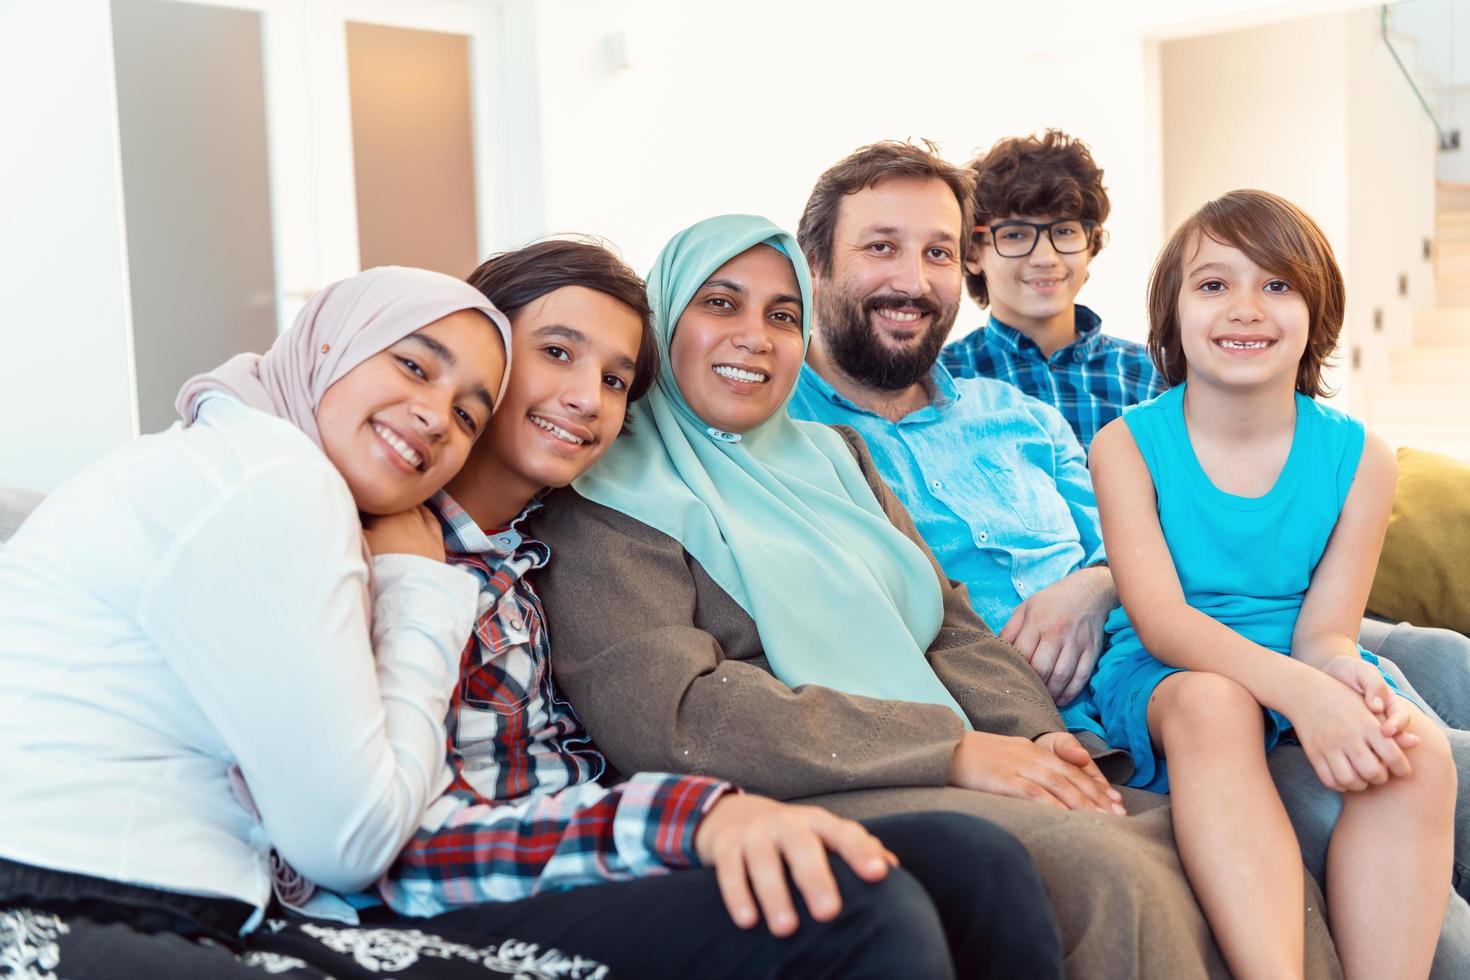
[778, 513]
[729, 591]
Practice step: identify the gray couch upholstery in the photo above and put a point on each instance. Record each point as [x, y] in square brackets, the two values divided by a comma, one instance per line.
[15, 504]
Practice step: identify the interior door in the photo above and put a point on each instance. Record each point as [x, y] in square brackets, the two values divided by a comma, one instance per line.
[272, 146]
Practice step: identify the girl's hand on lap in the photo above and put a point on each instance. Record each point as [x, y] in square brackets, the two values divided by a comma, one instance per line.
[1361, 676]
[1344, 740]
[752, 841]
[409, 532]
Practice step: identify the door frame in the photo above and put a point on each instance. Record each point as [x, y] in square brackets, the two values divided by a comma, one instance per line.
[309, 127]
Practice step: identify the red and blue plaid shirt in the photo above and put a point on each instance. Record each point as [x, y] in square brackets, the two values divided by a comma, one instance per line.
[1090, 381]
[524, 813]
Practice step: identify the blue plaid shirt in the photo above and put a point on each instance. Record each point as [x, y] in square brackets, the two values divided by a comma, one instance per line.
[523, 813]
[1090, 381]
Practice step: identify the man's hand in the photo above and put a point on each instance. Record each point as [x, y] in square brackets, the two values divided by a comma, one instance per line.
[409, 532]
[1054, 770]
[752, 841]
[1059, 630]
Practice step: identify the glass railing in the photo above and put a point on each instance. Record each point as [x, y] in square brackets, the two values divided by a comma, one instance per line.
[1422, 37]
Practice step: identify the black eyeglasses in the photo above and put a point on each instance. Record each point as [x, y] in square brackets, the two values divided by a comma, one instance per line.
[1017, 239]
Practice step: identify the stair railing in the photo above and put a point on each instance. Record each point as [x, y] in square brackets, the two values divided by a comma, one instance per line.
[1449, 138]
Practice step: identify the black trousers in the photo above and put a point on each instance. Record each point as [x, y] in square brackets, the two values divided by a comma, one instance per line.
[966, 902]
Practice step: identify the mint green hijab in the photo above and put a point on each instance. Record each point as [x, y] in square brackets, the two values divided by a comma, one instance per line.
[780, 517]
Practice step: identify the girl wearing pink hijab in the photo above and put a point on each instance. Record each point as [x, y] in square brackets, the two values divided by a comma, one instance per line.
[202, 611]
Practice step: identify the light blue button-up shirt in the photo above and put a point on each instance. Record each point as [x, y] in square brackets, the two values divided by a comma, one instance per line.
[995, 480]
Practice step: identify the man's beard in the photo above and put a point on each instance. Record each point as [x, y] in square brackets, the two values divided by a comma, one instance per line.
[851, 340]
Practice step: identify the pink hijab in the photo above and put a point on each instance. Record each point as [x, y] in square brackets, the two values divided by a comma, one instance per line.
[343, 325]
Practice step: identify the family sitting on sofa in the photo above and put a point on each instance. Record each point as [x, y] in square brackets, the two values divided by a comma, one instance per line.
[555, 624]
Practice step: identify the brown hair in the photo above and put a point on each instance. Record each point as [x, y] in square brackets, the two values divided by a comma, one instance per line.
[512, 280]
[862, 169]
[1051, 174]
[1279, 237]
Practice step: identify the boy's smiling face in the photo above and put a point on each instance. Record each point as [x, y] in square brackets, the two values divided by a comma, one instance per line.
[1034, 293]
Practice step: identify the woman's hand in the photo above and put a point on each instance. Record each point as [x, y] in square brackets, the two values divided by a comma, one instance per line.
[1343, 738]
[408, 532]
[1055, 770]
[751, 841]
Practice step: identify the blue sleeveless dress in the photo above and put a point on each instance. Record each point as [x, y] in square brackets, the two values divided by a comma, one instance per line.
[1245, 561]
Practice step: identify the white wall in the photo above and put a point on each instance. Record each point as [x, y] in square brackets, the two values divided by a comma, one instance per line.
[1454, 165]
[719, 114]
[1393, 153]
[717, 109]
[1313, 109]
[66, 392]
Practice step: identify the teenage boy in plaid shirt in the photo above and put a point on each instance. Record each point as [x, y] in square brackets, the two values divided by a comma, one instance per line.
[1039, 211]
[525, 820]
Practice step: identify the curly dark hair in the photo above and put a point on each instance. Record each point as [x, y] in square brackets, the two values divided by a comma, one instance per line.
[1050, 174]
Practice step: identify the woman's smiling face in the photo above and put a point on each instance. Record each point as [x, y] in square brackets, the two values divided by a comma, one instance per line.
[401, 423]
[738, 345]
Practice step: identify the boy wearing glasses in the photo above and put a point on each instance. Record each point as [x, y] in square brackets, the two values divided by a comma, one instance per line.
[1039, 210]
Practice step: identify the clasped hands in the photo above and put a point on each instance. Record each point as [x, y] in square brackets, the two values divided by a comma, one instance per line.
[1054, 770]
[1353, 727]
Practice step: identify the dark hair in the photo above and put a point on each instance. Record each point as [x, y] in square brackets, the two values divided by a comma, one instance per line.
[1051, 174]
[511, 280]
[1279, 237]
[862, 169]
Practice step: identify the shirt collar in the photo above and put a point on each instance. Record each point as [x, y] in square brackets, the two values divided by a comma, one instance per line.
[463, 536]
[946, 392]
[1089, 331]
[1087, 324]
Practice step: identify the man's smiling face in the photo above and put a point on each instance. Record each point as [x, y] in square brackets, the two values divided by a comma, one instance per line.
[890, 297]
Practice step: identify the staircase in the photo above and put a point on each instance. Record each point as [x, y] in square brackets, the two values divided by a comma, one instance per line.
[1426, 404]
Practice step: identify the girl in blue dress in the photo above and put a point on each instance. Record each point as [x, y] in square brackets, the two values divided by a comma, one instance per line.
[1243, 523]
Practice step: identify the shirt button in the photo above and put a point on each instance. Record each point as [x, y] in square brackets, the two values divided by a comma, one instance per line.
[505, 541]
[936, 485]
[516, 624]
[984, 536]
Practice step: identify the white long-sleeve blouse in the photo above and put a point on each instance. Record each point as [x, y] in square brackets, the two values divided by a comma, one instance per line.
[197, 600]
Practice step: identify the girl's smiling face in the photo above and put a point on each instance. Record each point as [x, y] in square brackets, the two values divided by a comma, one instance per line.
[1239, 325]
[738, 345]
[401, 423]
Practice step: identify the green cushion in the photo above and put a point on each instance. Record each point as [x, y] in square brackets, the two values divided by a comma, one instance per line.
[1424, 574]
